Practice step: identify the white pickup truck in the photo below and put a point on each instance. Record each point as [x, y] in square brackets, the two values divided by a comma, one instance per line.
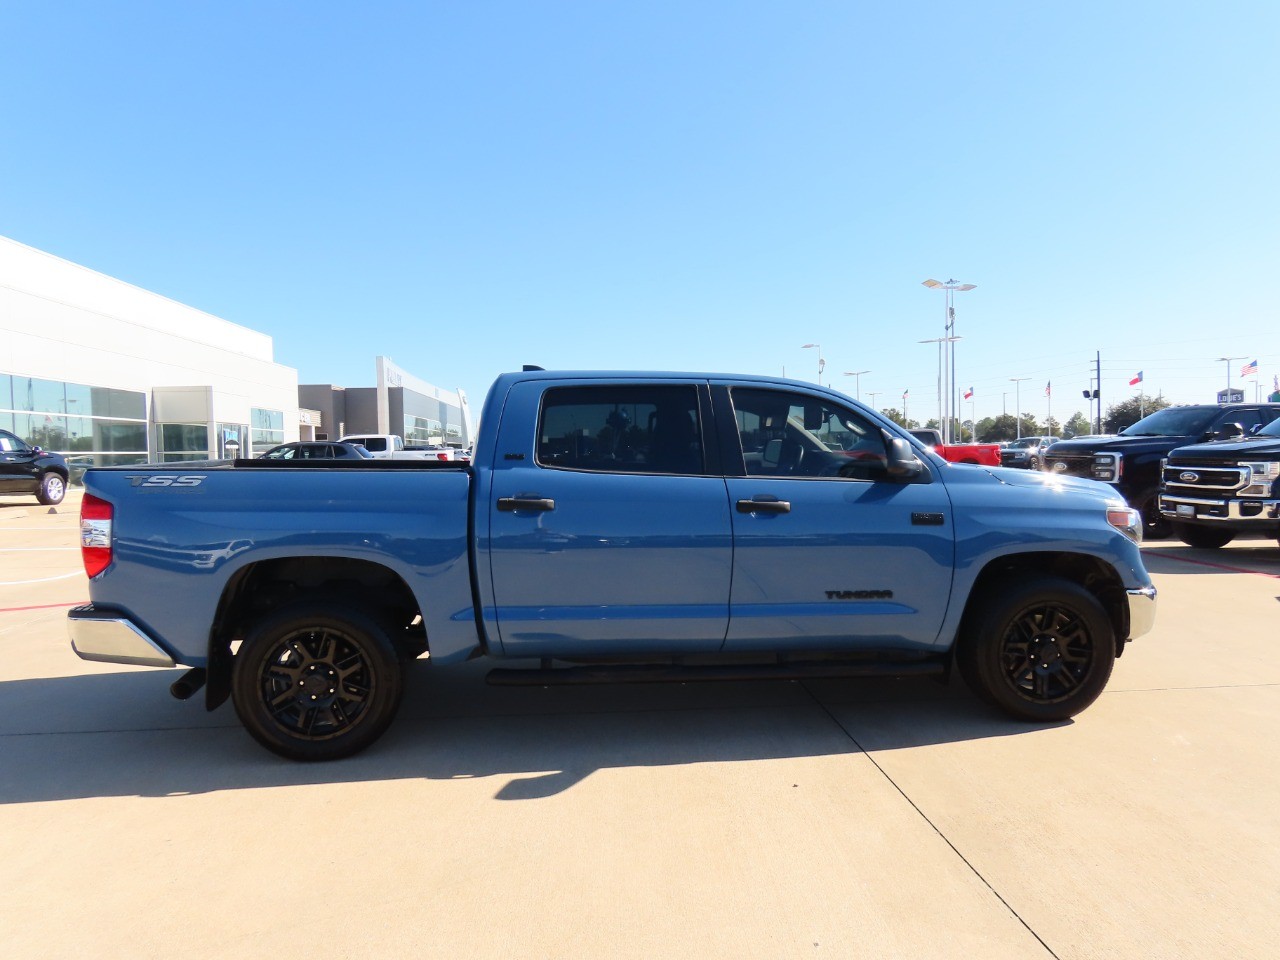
[388, 446]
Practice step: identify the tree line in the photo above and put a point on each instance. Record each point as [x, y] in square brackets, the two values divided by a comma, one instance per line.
[1006, 427]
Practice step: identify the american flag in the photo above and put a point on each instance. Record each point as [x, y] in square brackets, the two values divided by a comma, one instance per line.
[1249, 369]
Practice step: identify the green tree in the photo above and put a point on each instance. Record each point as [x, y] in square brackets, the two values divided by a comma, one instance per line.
[894, 414]
[1077, 426]
[1128, 412]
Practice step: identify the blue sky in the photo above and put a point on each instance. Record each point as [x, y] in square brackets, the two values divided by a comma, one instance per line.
[467, 187]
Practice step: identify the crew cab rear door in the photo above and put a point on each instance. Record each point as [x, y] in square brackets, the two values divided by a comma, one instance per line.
[829, 550]
[608, 519]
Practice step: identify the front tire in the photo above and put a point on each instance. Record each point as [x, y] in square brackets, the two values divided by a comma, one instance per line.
[1206, 538]
[1041, 650]
[52, 489]
[1155, 525]
[317, 681]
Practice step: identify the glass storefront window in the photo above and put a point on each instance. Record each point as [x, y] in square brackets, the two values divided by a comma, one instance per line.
[183, 441]
[267, 432]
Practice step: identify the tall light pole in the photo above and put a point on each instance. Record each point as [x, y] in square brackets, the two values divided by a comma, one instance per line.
[1228, 361]
[873, 394]
[1017, 402]
[857, 381]
[950, 288]
[940, 341]
[821, 363]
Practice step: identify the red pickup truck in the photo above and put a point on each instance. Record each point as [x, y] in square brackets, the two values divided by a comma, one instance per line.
[984, 453]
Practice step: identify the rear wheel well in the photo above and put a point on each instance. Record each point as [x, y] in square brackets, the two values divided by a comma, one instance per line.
[261, 588]
[1095, 575]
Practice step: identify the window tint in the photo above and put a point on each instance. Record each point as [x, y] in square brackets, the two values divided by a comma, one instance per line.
[621, 429]
[1251, 420]
[791, 435]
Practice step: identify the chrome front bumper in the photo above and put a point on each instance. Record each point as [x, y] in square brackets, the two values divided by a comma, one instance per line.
[111, 638]
[1223, 511]
[1142, 611]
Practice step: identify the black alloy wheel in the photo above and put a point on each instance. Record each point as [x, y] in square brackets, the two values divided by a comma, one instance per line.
[317, 681]
[1040, 650]
[1155, 525]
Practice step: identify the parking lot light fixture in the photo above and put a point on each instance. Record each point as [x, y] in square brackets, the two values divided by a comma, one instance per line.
[857, 381]
[821, 363]
[1229, 361]
[952, 409]
[1017, 403]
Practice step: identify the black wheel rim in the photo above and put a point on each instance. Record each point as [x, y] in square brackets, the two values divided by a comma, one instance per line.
[317, 683]
[1047, 653]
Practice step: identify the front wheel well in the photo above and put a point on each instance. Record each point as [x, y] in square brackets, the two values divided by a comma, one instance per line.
[259, 589]
[1094, 575]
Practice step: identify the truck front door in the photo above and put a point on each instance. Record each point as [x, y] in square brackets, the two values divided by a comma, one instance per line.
[829, 550]
[609, 522]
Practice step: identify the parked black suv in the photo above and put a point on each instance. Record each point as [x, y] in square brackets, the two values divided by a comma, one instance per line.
[1130, 461]
[28, 469]
[1212, 491]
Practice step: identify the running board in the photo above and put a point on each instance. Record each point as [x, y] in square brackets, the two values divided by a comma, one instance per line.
[672, 673]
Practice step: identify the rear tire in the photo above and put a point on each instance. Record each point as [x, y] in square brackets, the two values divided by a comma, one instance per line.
[52, 489]
[1206, 538]
[1040, 650]
[317, 681]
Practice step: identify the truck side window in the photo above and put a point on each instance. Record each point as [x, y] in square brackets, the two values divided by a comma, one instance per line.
[792, 435]
[621, 429]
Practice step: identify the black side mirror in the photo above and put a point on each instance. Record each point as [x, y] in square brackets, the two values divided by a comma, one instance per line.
[1229, 431]
[902, 462]
[37, 449]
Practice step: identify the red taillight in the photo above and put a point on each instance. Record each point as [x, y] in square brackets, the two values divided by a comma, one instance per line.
[442, 456]
[95, 534]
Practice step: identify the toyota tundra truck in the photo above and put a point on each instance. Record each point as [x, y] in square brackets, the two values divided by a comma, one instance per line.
[1211, 492]
[611, 527]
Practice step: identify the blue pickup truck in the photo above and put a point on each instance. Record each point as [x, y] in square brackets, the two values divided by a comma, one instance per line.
[612, 527]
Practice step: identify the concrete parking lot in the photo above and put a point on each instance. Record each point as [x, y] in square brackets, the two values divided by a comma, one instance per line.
[840, 818]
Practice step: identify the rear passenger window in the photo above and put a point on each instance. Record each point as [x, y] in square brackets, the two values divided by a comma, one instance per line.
[621, 430]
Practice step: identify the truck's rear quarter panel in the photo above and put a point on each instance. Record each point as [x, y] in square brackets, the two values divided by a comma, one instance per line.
[176, 548]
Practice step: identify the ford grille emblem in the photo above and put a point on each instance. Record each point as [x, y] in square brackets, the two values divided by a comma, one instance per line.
[1059, 467]
[1188, 477]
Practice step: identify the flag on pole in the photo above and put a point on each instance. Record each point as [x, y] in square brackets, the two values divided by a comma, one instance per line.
[904, 394]
[1136, 380]
[1249, 369]
[1047, 388]
[968, 394]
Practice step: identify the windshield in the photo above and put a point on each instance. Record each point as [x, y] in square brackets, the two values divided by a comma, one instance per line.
[1272, 429]
[1173, 422]
[1024, 443]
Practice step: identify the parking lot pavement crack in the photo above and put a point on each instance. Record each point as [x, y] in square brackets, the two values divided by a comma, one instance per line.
[933, 826]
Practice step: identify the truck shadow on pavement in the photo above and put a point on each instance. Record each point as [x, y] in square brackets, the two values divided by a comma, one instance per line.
[121, 734]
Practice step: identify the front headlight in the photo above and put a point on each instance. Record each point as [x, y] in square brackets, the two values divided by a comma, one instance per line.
[1127, 520]
[1107, 466]
[1262, 474]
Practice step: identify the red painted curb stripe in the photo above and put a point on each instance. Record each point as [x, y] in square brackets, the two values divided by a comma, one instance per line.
[1216, 566]
[43, 606]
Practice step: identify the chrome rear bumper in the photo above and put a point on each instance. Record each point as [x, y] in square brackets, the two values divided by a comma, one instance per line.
[110, 638]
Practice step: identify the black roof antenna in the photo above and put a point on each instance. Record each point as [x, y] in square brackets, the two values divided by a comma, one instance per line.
[529, 367]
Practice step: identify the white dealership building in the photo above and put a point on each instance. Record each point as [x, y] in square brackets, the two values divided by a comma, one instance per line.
[107, 373]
